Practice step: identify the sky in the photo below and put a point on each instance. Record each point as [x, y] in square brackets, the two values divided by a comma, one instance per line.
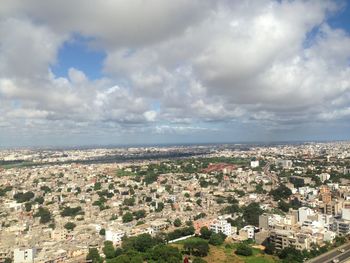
[116, 72]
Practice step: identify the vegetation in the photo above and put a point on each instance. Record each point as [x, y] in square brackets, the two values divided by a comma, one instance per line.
[23, 197]
[177, 222]
[196, 246]
[244, 250]
[44, 214]
[281, 192]
[127, 217]
[70, 226]
[181, 232]
[71, 211]
[251, 214]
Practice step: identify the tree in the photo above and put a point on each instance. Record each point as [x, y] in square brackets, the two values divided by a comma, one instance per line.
[40, 200]
[45, 189]
[283, 206]
[251, 214]
[140, 243]
[281, 192]
[129, 201]
[160, 207]
[70, 226]
[127, 217]
[196, 246]
[23, 197]
[216, 239]
[28, 206]
[103, 232]
[97, 186]
[291, 254]
[94, 256]
[177, 222]
[170, 254]
[108, 249]
[71, 211]
[136, 259]
[139, 214]
[143, 242]
[205, 233]
[44, 214]
[244, 250]
[269, 248]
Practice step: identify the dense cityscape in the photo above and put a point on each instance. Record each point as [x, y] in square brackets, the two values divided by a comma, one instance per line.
[287, 202]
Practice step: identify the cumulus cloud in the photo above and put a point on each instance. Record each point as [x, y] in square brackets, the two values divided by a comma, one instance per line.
[174, 66]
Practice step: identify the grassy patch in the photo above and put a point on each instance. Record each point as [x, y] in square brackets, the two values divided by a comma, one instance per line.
[122, 173]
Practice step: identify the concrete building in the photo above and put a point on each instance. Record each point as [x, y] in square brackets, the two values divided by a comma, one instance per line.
[254, 164]
[222, 226]
[285, 164]
[341, 227]
[247, 232]
[285, 238]
[114, 236]
[24, 255]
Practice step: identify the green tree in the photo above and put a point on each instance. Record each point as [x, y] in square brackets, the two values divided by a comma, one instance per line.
[177, 222]
[170, 254]
[205, 233]
[216, 239]
[290, 254]
[40, 200]
[70, 226]
[103, 232]
[140, 214]
[23, 197]
[244, 250]
[127, 217]
[281, 192]
[28, 206]
[283, 206]
[108, 249]
[44, 214]
[251, 214]
[129, 201]
[196, 246]
[269, 248]
[94, 256]
[160, 207]
[97, 186]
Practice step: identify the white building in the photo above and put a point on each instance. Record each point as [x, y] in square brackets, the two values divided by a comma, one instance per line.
[247, 232]
[285, 164]
[345, 213]
[324, 176]
[222, 226]
[254, 164]
[24, 255]
[304, 213]
[114, 236]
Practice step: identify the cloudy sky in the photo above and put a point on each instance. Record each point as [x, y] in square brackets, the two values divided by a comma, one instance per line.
[84, 72]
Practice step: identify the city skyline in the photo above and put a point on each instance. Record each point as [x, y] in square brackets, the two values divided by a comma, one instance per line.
[173, 72]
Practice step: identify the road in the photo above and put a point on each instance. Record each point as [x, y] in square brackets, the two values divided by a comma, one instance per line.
[333, 254]
[274, 178]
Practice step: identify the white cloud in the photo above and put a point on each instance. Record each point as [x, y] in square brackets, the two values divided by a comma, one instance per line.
[269, 62]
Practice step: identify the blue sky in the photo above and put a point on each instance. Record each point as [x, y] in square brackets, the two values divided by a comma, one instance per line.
[173, 72]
